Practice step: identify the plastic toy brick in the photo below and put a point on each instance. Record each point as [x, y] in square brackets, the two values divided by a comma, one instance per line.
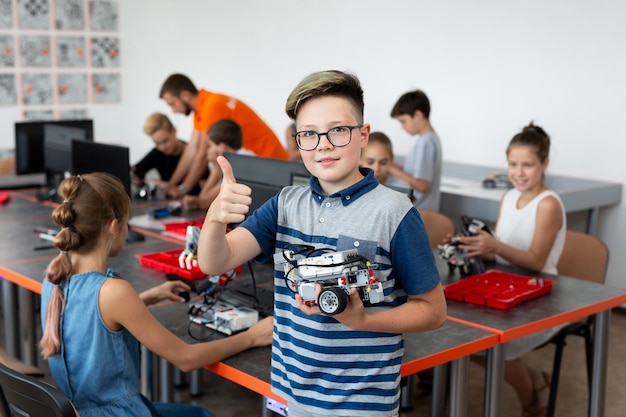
[4, 197]
[180, 228]
[497, 289]
[168, 263]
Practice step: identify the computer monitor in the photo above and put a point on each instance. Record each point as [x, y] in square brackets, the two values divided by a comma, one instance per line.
[90, 157]
[57, 146]
[57, 153]
[266, 176]
[266, 170]
[29, 156]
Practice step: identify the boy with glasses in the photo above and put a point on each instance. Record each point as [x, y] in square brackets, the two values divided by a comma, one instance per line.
[346, 364]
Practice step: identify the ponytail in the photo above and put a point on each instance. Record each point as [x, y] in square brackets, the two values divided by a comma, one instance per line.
[89, 202]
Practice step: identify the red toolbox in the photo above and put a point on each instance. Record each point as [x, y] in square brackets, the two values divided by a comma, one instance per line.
[497, 289]
[179, 229]
[168, 263]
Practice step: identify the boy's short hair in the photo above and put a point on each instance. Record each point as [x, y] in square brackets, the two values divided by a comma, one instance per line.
[155, 122]
[409, 102]
[383, 140]
[176, 84]
[327, 83]
[226, 131]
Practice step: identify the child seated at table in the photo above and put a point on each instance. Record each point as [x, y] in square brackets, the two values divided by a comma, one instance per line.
[223, 136]
[378, 155]
[165, 155]
[93, 322]
[529, 233]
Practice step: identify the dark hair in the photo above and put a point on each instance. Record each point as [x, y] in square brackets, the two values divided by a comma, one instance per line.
[327, 83]
[382, 139]
[535, 137]
[409, 102]
[176, 84]
[226, 131]
[90, 202]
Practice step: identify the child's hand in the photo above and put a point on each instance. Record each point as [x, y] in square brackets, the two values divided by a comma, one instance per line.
[482, 244]
[261, 332]
[233, 201]
[311, 310]
[354, 313]
[169, 290]
[191, 202]
[352, 316]
[448, 238]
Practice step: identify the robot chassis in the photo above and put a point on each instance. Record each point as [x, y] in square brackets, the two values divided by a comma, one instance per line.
[336, 272]
[457, 258]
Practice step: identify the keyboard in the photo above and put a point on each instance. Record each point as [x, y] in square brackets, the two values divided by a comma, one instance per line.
[245, 294]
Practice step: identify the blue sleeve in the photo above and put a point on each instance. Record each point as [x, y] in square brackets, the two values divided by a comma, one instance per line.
[263, 226]
[412, 257]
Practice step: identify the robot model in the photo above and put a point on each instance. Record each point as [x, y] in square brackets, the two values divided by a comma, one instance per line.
[188, 258]
[457, 258]
[336, 272]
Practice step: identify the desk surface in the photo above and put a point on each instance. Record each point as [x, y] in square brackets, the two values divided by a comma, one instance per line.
[570, 299]
[252, 368]
[469, 329]
[462, 191]
[24, 266]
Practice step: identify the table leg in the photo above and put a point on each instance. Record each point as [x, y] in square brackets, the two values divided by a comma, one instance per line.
[494, 381]
[598, 370]
[440, 384]
[406, 392]
[146, 382]
[592, 222]
[179, 378]
[11, 325]
[459, 387]
[165, 381]
[28, 326]
[195, 383]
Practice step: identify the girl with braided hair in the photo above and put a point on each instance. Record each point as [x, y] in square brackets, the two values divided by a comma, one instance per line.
[93, 321]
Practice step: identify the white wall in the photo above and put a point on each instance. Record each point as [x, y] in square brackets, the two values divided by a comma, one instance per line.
[489, 67]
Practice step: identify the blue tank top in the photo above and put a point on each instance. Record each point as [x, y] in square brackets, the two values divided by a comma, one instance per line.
[98, 369]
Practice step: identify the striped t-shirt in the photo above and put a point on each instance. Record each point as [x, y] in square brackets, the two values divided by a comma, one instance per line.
[323, 366]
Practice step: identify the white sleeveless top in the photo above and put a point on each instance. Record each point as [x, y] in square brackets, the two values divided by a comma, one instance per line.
[516, 227]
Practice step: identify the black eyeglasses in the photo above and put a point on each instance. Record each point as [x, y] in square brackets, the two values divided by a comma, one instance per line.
[338, 136]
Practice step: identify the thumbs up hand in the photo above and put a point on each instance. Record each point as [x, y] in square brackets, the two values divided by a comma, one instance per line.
[233, 201]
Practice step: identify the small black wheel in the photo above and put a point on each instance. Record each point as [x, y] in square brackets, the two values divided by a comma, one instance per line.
[332, 300]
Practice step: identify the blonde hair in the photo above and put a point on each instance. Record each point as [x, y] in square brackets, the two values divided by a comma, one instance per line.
[155, 122]
[90, 201]
[327, 83]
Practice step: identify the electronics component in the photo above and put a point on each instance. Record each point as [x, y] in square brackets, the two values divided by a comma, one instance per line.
[337, 272]
[223, 317]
